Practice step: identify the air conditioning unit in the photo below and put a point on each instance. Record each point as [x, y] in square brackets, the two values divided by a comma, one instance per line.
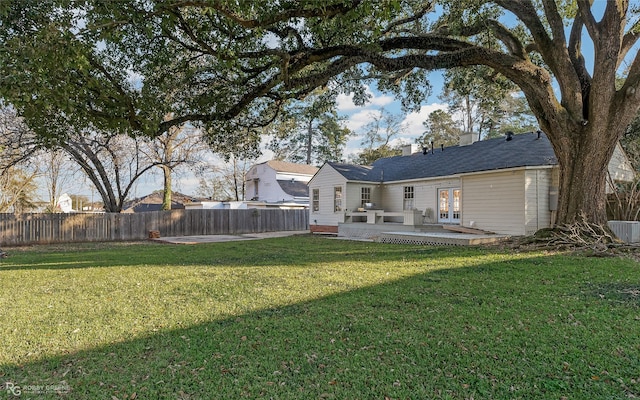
[627, 231]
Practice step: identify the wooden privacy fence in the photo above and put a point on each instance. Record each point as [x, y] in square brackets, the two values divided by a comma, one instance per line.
[26, 229]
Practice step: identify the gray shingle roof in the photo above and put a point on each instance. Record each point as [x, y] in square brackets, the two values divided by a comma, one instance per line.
[294, 188]
[281, 166]
[352, 172]
[524, 150]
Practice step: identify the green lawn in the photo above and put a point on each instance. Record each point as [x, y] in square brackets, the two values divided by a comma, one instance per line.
[308, 317]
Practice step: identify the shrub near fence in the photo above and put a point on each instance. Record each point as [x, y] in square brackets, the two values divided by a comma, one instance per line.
[26, 229]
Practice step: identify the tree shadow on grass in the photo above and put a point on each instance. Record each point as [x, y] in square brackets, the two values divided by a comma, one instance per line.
[495, 330]
[625, 293]
[295, 251]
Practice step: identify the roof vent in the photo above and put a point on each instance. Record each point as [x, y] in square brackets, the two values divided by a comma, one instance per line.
[509, 136]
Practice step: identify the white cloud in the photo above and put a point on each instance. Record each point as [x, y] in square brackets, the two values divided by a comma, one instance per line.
[413, 121]
[345, 102]
[381, 101]
[358, 120]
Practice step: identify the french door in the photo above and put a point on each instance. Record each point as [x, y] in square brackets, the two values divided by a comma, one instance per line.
[449, 201]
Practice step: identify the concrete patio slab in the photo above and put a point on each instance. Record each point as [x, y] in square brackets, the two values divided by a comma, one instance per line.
[439, 238]
[225, 238]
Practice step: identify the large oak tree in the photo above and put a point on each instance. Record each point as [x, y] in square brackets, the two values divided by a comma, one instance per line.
[231, 64]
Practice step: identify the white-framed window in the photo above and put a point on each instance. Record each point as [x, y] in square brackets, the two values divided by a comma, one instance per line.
[365, 196]
[315, 199]
[256, 185]
[337, 198]
[407, 203]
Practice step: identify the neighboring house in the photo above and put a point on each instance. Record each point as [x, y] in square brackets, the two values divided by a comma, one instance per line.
[279, 182]
[216, 205]
[507, 186]
[153, 202]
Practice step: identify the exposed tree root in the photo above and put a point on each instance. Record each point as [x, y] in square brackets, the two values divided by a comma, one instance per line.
[581, 237]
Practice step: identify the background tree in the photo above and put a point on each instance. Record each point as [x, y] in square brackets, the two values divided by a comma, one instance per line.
[57, 173]
[112, 163]
[515, 116]
[309, 131]
[179, 146]
[18, 190]
[334, 138]
[378, 136]
[18, 172]
[225, 182]
[631, 142]
[18, 145]
[235, 64]
[441, 129]
[488, 103]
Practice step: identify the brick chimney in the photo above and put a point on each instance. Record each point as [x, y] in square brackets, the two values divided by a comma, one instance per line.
[468, 138]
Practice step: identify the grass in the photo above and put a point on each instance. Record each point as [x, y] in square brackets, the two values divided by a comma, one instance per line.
[309, 317]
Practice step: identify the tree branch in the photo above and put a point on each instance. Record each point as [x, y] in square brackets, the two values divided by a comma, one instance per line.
[584, 10]
[555, 22]
[628, 41]
[130, 104]
[553, 52]
[575, 53]
[249, 23]
[428, 7]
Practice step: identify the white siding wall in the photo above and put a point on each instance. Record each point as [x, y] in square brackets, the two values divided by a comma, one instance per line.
[392, 194]
[537, 214]
[325, 180]
[495, 202]
[425, 194]
[354, 195]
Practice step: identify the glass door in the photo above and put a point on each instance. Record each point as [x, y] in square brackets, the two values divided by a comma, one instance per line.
[449, 202]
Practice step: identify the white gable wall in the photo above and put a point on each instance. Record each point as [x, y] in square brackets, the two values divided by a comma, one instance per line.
[266, 180]
[325, 181]
[261, 184]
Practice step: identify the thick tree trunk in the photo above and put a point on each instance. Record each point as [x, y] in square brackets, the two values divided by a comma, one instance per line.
[584, 160]
[166, 199]
[309, 141]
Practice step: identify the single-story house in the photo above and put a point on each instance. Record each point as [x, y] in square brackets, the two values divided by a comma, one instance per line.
[503, 185]
[279, 182]
[153, 202]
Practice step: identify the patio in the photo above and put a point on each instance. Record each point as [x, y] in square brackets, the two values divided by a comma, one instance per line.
[427, 234]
